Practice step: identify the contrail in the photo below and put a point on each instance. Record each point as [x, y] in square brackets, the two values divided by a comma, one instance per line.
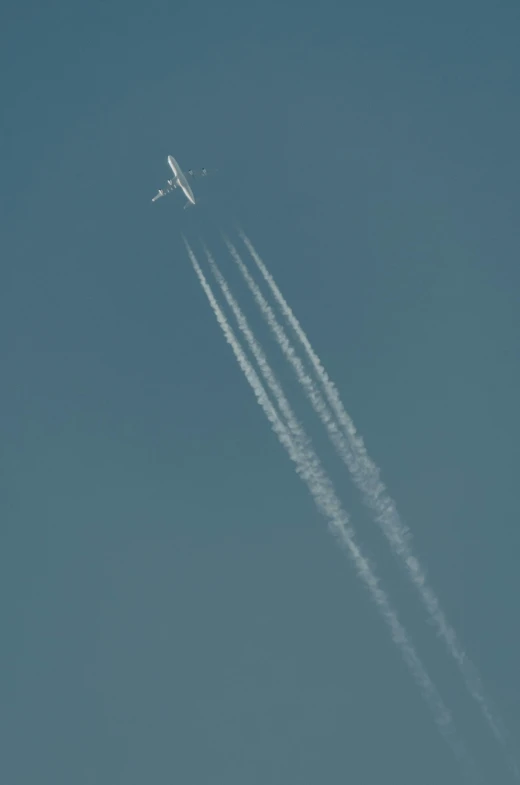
[364, 472]
[294, 440]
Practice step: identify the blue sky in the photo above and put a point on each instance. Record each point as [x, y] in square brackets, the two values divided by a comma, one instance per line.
[174, 607]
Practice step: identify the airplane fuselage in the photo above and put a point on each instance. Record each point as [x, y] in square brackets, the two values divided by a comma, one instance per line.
[180, 179]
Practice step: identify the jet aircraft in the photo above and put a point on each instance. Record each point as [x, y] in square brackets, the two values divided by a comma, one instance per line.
[179, 181]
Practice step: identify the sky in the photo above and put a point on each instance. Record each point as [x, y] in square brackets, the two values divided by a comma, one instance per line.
[174, 608]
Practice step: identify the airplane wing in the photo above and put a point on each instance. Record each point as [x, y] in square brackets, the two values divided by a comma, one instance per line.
[163, 191]
[200, 172]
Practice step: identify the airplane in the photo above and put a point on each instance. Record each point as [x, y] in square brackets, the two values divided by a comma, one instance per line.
[179, 181]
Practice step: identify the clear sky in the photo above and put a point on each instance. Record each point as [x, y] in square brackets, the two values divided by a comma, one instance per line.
[174, 609]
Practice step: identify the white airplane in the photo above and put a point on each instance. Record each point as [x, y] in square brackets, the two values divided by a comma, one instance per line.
[179, 181]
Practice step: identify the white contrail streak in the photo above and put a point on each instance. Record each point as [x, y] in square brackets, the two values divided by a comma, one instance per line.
[363, 470]
[296, 443]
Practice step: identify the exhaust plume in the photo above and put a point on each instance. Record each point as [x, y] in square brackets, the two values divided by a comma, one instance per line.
[295, 441]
